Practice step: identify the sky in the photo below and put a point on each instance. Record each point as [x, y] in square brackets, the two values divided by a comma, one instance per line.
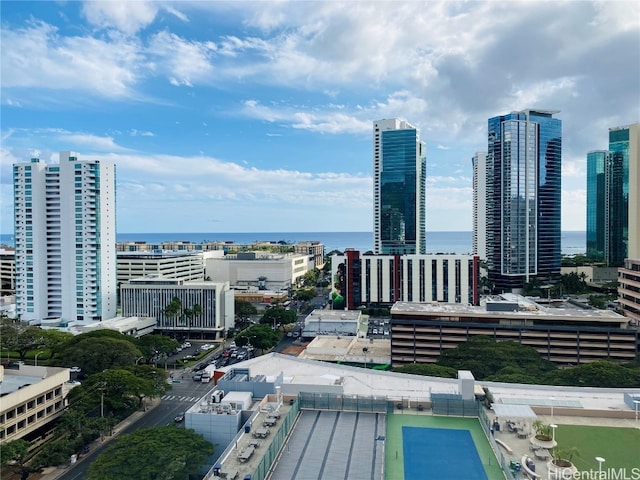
[257, 116]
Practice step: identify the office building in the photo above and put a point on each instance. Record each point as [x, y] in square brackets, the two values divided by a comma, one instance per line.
[421, 332]
[479, 162]
[7, 271]
[385, 279]
[261, 270]
[399, 183]
[32, 398]
[65, 239]
[612, 198]
[205, 309]
[181, 264]
[524, 161]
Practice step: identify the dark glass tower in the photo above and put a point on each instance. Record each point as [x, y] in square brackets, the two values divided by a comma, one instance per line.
[399, 188]
[524, 160]
[608, 205]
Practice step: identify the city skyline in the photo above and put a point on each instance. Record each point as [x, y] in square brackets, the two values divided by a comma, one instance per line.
[257, 116]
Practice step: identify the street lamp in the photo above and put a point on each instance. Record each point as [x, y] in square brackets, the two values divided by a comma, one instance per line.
[365, 350]
[138, 359]
[600, 461]
[553, 432]
[37, 354]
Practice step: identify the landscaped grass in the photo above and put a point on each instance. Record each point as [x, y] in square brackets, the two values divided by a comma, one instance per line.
[620, 447]
[394, 459]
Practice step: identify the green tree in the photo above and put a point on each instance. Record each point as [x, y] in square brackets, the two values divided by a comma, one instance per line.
[119, 390]
[260, 336]
[174, 309]
[243, 311]
[55, 340]
[484, 357]
[601, 373]
[310, 278]
[152, 346]
[305, 294]
[14, 451]
[19, 337]
[278, 315]
[95, 354]
[427, 369]
[160, 453]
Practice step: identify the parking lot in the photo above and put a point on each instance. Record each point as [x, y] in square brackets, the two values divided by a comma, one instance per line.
[379, 328]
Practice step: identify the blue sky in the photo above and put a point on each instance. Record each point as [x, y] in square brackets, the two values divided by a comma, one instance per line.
[257, 116]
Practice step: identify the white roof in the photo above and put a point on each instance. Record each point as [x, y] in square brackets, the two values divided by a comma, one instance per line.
[507, 410]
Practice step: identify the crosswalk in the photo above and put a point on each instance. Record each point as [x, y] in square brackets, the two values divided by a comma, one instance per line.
[179, 398]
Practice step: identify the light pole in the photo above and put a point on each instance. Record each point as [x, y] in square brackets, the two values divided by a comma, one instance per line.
[365, 350]
[37, 354]
[138, 359]
[600, 461]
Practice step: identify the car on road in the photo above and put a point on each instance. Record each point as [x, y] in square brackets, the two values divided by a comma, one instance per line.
[197, 377]
[179, 418]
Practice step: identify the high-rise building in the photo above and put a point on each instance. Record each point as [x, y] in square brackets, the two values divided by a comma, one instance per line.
[611, 213]
[524, 160]
[65, 240]
[479, 162]
[629, 274]
[399, 183]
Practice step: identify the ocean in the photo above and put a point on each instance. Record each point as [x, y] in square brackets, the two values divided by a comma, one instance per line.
[573, 242]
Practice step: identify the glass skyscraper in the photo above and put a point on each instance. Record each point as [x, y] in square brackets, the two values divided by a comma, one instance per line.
[399, 188]
[608, 198]
[524, 160]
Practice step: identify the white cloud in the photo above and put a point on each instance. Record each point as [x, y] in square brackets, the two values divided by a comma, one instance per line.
[183, 62]
[36, 55]
[126, 16]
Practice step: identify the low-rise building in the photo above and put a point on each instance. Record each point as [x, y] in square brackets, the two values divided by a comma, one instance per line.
[386, 279]
[420, 332]
[206, 309]
[263, 270]
[183, 265]
[629, 290]
[31, 398]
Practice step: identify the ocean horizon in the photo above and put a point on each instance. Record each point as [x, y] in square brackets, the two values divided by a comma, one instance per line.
[453, 242]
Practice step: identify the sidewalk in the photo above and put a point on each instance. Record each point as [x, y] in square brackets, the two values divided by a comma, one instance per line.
[52, 473]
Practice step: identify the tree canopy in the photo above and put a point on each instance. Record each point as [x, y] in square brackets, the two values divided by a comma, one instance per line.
[265, 337]
[97, 353]
[151, 346]
[19, 337]
[484, 357]
[427, 369]
[278, 315]
[160, 453]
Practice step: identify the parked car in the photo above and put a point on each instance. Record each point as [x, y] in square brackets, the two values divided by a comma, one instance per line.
[75, 369]
[186, 345]
[179, 418]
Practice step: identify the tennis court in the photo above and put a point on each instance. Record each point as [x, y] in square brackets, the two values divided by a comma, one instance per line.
[423, 446]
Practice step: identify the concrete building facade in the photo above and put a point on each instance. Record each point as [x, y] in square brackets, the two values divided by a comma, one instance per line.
[206, 308]
[386, 279]
[65, 239]
[31, 398]
[264, 270]
[421, 332]
[182, 265]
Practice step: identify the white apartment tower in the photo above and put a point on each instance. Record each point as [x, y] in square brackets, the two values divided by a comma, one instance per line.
[399, 186]
[65, 240]
[479, 162]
